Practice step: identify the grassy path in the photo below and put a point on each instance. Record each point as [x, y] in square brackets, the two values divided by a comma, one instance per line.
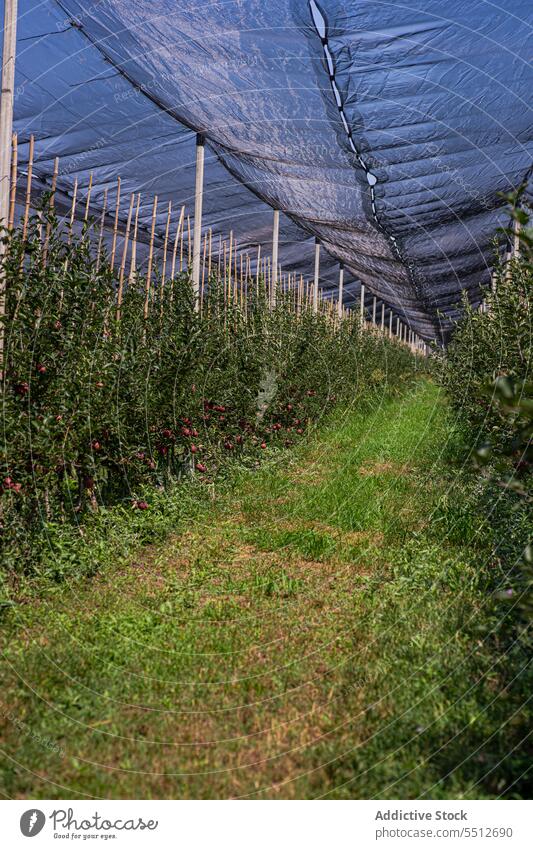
[305, 636]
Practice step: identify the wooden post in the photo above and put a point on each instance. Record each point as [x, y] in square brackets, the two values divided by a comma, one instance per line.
[88, 201]
[374, 305]
[229, 263]
[317, 276]
[257, 270]
[241, 281]
[13, 186]
[275, 254]
[124, 256]
[6, 132]
[101, 233]
[341, 286]
[150, 260]
[235, 278]
[362, 305]
[28, 187]
[6, 108]
[133, 261]
[72, 211]
[176, 242]
[115, 227]
[204, 262]
[390, 325]
[198, 201]
[165, 245]
[382, 318]
[225, 269]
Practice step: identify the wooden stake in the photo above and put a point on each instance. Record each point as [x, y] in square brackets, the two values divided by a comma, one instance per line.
[225, 273]
[6, 132]
[150, 260]
[275, 253]
[6, 112]
[258, 268]
[133, 261]
[163, 272]
[235, 277]
[88, 201]
[124, 256]
[198, 203]
[115, 227]
[341, 287]
[181, 246]
[176, 242]
[13, 188]
[101, 233]
[229, 263]
[317, 273]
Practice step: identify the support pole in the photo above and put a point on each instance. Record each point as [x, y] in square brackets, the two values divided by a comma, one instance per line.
[197, 236]
[115, 226]
[382, 318]
[13, 186]
[150, 261]
[6, 132]
[6, 106]
[362, 304]
[374, 305]
[275, 254]
[341, 286]
[390, 325]
[317, 276]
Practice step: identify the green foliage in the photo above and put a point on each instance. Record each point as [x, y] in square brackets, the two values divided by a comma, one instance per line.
[101, 409]
[489, 345]
[487, 373]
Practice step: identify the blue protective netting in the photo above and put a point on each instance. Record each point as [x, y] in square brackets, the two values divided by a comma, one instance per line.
[388, 130]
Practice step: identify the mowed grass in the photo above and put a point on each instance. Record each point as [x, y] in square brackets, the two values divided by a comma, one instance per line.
[307, 633]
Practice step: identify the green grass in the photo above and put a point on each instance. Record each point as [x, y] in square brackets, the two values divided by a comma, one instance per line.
[319, 627]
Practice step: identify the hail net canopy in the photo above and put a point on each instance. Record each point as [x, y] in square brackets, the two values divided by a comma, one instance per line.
[387, 130]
